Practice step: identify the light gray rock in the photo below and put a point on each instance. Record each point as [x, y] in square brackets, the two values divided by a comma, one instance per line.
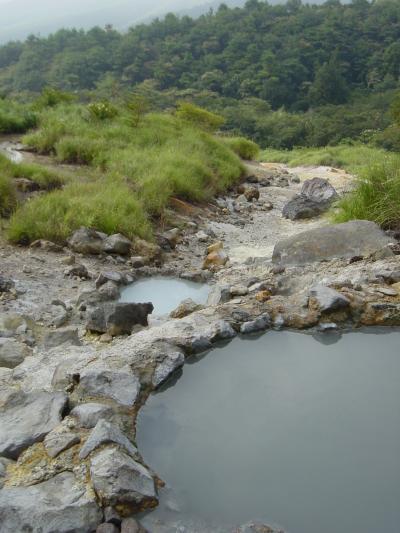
[120, 386]
[222, 330]
[355, 238]
[86, 241]
[12, 353]
[26, 418]
[88, 414]
[118, 318]
[164, 370]
[261, 323]
[59, 440]
[185, 308]
[117, 244]
[219, 294]
[62, 336]
[109, 291]
[301, 207]
[119, 479]
[104, 277]
[130, 525]
[58, 505]
[106, 433]
[328, 299]
[77, 271]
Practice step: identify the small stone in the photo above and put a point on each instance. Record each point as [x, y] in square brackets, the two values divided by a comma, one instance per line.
[130, 525]
[202, 236]
[216, 247]
[107, 528]
[60, 440]
[219, 294]
[88, 414]
[261, 323]
[105, 338]
[185, 308]
[112, 276]
[251, 193]
[263, 296]
[164, 370]
[138, 261]
[215, 260]
[68, 260]
[328, 299]
[106, 433]
[86, 241]
[117, 244]
[26, 269]
[389, 291]
[239, 290]
[12, 353]
[77, 271]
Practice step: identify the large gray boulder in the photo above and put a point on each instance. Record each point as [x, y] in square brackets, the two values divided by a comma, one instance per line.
[118, 318]
[167, 367]
[86, 241]
[58, 505]
[12, 352]
[120, 386]
[26, 418]
[120, 480]
[316, 196]
[344, 241]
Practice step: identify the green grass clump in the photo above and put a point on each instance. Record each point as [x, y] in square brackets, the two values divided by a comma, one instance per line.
[350, 157]
[8, 197]
[376, 196]
[242, 147]
[144, 164]
[45, 178]
[106, 205]
[15, 118]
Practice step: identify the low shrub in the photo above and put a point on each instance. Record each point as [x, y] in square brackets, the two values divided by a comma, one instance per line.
[242, 147]
[46, 179]
[199, 117]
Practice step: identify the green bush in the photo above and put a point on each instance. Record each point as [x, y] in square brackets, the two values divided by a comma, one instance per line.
[101, 110]
[242, 147]
[16, 118]
[8, 197]
[51, 97]
[109, 206]
[46, 179]
[199, 117]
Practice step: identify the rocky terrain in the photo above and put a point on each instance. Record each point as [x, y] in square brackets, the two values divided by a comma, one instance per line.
[76, 365]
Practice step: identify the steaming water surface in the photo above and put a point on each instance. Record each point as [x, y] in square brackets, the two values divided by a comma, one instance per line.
[282, 429]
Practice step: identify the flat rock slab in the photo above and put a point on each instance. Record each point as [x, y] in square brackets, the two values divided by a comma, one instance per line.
[120, 386]
[344, 241]
[59, 505]
[28, 418]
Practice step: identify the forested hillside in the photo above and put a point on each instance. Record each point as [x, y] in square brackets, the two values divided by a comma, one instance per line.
[289, 55]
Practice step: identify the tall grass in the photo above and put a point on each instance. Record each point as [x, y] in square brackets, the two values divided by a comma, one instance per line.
[242, 147]
[142, 166]
[15, 118]
[8, 197]
[377, 195]
[46, 179]
[350, 157]
[106, 205]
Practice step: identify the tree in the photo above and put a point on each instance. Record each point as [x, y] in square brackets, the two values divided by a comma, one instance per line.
[330, 86]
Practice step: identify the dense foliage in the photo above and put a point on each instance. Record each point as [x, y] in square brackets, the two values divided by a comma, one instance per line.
[290, 55]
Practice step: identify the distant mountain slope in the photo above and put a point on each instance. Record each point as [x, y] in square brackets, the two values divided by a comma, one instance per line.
[19, 18]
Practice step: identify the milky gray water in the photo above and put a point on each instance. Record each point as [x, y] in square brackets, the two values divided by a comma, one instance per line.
[165, 293]
[282, 429]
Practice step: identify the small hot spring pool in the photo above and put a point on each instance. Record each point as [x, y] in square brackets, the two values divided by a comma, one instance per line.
[284, 430]
[165, 293]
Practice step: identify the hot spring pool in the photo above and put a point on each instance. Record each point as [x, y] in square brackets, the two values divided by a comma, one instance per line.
[282, 429]
[165, 293]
